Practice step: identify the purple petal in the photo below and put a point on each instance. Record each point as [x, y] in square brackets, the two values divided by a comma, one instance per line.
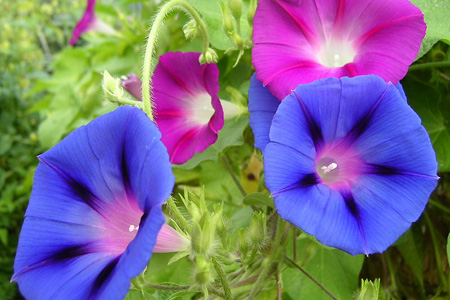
[95, 209]
[188, 110]
[86, 22]
[371, 178]
[262, 106]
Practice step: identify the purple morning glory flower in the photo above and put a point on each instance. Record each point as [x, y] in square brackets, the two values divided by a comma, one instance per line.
[301, 41]
[187, 108]
[349, 162]
[90, 22]
[95, 210]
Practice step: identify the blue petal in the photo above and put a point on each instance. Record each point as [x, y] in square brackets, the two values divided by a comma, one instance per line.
[94, 171]
[400, 89]
[262, 106]
[135, 258]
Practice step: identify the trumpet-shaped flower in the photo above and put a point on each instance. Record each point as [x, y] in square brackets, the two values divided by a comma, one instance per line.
[90, 22]
[349, 162]
[95, 210]
[301, 41]
[186, 106]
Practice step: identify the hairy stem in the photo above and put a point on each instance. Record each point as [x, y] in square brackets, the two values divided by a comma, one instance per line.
[147, 71]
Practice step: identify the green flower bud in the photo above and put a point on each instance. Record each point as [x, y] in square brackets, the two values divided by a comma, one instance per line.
[257, 230]
[251, 11]
[369, 290]
[237, 40]
[227, 21]
[243, 245]
[112, 88]
[190, 30]
[210, 56]
[236, 9]
[202, 271]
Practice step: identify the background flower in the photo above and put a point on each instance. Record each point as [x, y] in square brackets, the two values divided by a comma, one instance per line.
[186, 106]
[95, 210]
[90, 22]
[349, 163]
[331, 38]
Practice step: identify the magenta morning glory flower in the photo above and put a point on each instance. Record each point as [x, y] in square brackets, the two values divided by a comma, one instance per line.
[187, 109]
[90, 22]
[302, 41]
[95, 210]
[348, 161]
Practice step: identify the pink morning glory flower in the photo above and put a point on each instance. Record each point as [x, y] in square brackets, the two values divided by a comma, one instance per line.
[187, 109]
[299, 42]
[90, 22]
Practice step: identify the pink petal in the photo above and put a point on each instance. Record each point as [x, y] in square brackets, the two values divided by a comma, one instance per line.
[301, 41]
[169, 240]
[187, 108]
[85, 23]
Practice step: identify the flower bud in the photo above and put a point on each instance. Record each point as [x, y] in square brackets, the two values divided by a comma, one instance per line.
[369, 290]
[237, 40]
[236, 9]
[227, 21]
[112, 88]
[190, 30]
[202, 270]
[251, 11]
[257, 230]
[210, 56]
[243, 242]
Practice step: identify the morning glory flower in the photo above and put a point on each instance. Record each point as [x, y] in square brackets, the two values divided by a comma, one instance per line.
[187, 109]
[95, 210]
[89, 22]
[301, 41]
[349, 162]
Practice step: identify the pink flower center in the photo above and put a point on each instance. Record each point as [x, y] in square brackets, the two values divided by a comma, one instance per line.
[339, 167]
[335, 54]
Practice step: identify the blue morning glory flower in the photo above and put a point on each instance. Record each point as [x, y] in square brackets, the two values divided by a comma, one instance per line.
[95, 210]
[347, 160]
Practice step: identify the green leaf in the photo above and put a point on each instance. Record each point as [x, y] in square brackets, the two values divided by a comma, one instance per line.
[212, 15]
[433, 106]
[54, 127]
[258, 199]
[448, 248]
[412, 255]
[437, 15]
[230, 135]
[337, 271]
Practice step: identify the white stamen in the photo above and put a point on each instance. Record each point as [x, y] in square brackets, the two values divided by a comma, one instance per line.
[133, 228]
[335, 54]
[329, 168]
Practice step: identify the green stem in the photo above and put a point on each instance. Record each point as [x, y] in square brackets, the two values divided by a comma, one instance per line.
[147, 71]
[310, 277]
[233, 176]
[436, 64]
[272, 259]
[223, 279]
[167, 287]
[437, 254]
[440, 206]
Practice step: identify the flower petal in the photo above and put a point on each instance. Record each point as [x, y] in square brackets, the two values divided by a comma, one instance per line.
[188, 110]
[262, 106]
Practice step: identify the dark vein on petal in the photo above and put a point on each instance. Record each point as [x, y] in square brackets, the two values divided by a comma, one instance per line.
[82, 191]
[103, 276]
[354, 210]
[307, 181]
[375, 169]
[362, 124]
[314, 128]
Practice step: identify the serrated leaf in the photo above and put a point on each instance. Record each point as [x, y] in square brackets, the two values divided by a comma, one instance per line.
[437, 14]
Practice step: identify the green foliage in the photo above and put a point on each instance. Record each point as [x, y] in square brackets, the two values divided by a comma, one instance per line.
[335, 270]
[437, 14]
